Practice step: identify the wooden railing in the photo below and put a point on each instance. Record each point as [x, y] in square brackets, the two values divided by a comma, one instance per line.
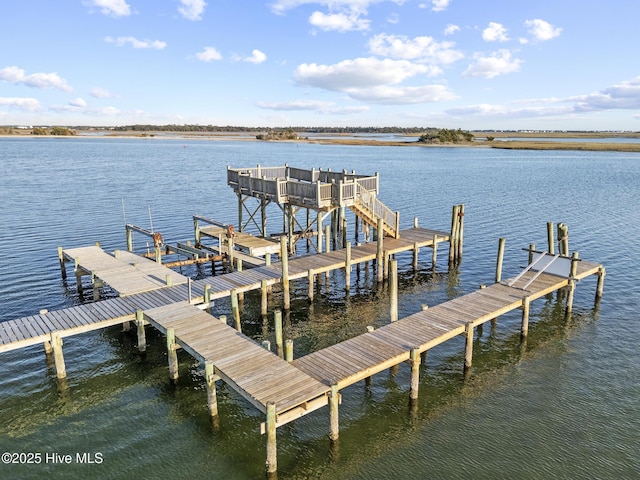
[377, 209]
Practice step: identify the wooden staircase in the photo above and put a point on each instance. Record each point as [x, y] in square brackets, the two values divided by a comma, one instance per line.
[370, 209]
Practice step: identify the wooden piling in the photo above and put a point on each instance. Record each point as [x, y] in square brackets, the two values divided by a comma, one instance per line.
[468, 350]
[380, 251]
[171, 353]
[266, 344]
[572, 282]
[415, 373]
[320, 230]
[311, 276]
[393, 289]
[235, 309]
[600, 286]
[460, 239]
[416, 252]
[277, 320]
[58, 357]
[207, 297]
[526, 305]
[212, 398]
[563, 239]
[142, 339]
[263, 297]
[288, 350]
[284, 260]
[500, 259]
[454, 233]
[63, 270]
[334, 422]
[550, 239]
[434, 251]
[272, 451]
[347, 267]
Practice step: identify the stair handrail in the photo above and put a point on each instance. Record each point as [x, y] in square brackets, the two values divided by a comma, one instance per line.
[376, 207]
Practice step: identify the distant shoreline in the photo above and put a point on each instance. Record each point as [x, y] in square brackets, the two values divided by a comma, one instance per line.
[357, 140]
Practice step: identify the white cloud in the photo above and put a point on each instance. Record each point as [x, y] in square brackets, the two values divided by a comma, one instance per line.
[436, 5]
[135, 43]
[114, 8]
[451, 29]
[256, 57]
[390, 95]
[208, 54]
[542, 30]
[78, 102]
[495, 32]
[313, 105]
[339, 22]
[25, 104]
[17, 75]
[358, 73]
[98, 92]
[192, 9]
[498, 63]
[418, 48]
[625, 95]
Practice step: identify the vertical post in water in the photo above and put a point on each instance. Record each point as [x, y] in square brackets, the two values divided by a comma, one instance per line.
[142, 339]
[460, 239]
[334, 422]
[468, 350]
[235, 309]
[212, 398]
[524, 330]
[600, 287]
[311, 278]
[415, 374]
[284, 260]
[56, 344]
[500, 259]
[563, 239]
[572, 281]
[347, 266]
[393, 289]
[288, 350]
[264, 299]
[277, 320]
[434, 251]
[550, 239]
[532, 248]
[416, 251]
[272, 451]
[380, 251]
[454, 233]
[171, 353]
[319, 229]
[63, 270]
[207, 297]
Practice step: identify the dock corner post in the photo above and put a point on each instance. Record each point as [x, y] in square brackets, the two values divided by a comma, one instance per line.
[284, 259]
[311, 279]
[532, 248]
[196, 231]
[500, 259]
[526, 304]
[327, 238]
[235, 309]
[169, 280]
[334, 421]
[468, 350]
[393, 289]
[415, 222]
[207, 297]
[288, 350]
[129, 238]
[563, 239]
[347, 267]
[272, 449]
[550, 239]
[572, 281]
[380, 251]
[56, 344]
[319, 229]
[416, 252]
[142, 339]
[63, 270]
[415, 374]
[212, 399]
[171, 354]
[600, 287]
[434, 251]
[264, 299]
[277, 320]
[452, 235]
[460, 240]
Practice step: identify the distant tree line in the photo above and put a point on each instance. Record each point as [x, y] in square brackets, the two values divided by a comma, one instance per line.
[52, 131]
[445, 135]
[232, 128]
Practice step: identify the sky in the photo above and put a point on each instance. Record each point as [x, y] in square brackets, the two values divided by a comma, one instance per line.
[476, 65]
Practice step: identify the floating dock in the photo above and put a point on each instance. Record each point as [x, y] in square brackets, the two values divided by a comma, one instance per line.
[280, 387]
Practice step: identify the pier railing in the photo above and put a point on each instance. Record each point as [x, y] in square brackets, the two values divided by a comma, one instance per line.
[376, 209]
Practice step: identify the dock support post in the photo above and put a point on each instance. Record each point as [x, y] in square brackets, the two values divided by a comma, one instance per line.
[500, 259]
[526, 305]
[416, 251]
[284, 259]
[334, 401]
[63, 270]
[142, 339]
[319, 229]
[468, 349]
[58, 358]
[453, 237]
[171, 353]
[415, 374]
[393, 289]
[327, 238]
[550, 239]
[563, 239]
[272, 450]
[235, 310]
[212, 397]
[460, 239]
[600, 287]
[380, 251]
[207, 297]
[572, 282]
[288, 350]
[347, 266]
[263, 297]
[277, 320]
[434, 251]
[311, 277]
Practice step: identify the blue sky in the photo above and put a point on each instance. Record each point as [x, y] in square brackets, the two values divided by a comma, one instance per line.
[503, 64]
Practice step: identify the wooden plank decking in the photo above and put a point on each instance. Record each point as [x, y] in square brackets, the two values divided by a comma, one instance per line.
[258, 375]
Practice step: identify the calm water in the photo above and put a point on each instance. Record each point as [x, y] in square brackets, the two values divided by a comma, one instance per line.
[566, 405]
